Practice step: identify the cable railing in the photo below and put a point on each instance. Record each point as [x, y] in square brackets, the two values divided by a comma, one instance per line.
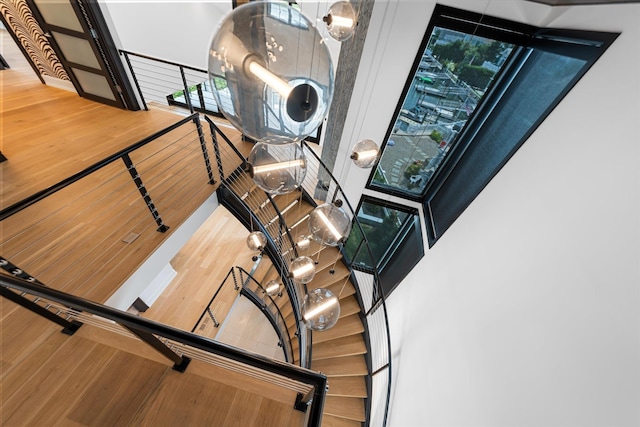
[257, 210]
[240, 281]
[87, 233]
[169, 83]
[177, 345]
[257, 294]
[322, 185]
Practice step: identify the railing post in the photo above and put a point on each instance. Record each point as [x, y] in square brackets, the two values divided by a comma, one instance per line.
[187, 95]
[135, 79]
[14, 270]
[203, 146]
[216, 148]
[70, 327]
[145, 194]
[180, 363]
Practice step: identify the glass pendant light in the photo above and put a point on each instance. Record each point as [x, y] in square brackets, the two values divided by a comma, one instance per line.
[277, 168]
[365, 153]
[271, 72]
[273, 288]
[303, 242]
[302, 270]
[256, 241]
[329, 224]
[320, 309]
[341, 20]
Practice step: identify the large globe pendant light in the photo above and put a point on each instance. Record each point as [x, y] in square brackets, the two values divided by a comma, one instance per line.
[271, 72]
[320, 309]
[277, 168]
[329, 224]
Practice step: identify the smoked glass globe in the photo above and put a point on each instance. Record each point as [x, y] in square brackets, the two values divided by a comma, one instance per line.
[271, 72]
[341, 21]
[303, 269]
[320, 309]
[329, 224]
[277, 168]
[256, 241]
[272, 288]
[365, 153]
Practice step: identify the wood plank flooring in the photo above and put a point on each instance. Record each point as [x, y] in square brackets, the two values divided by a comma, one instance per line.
[75, 381]
[97, 377]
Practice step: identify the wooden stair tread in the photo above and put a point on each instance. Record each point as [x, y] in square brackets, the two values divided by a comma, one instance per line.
[324, 278]
[346, 407]
[333, 421]
[346, 346]
[341, 366]
[347, 387]
[342, 288]
[350, 325]
[349, 306]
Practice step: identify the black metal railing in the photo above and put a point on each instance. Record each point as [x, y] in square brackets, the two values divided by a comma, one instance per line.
[169, 83]
[258, 295]
[243, 283]
[77, 230]
[180, 346]
[261, 213]
[320, 185]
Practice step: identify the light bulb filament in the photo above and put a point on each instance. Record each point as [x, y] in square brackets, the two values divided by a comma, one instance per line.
[365, 155]
[270, 79]
[302, 270]
[320, 308]
[256, 241]
[273, 288]
[341, 21]
[277, 166]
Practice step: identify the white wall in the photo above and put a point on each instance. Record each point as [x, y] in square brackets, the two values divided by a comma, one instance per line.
[527, 311]
[181, 30]
[178, 31]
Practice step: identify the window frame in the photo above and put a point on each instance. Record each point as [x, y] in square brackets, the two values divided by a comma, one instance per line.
[526, 38]
[401, 237]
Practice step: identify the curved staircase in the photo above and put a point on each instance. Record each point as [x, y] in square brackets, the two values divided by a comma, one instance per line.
[340, 352]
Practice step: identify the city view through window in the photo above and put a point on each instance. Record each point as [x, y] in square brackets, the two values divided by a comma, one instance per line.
[455, 71]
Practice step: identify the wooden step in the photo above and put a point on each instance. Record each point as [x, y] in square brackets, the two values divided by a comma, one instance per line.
[346, 326]
[328, 256]
[347, 346]
[341, 366]
[342, 288]
[348, 306]
[351, 408]
[347, 387]
[324, 277]
[332, 421]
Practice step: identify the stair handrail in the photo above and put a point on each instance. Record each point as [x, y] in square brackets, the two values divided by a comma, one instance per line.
[378, 364]
[148, 328]
[303, 333]
[42, 194]
[273, 317]
[377, 293]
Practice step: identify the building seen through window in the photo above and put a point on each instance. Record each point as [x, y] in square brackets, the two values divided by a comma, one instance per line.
[453, 74]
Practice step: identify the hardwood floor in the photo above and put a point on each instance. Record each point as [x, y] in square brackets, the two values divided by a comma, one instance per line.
[97, 377]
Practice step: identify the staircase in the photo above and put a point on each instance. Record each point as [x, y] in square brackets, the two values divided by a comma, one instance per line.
[358, 379]
[340, 351]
